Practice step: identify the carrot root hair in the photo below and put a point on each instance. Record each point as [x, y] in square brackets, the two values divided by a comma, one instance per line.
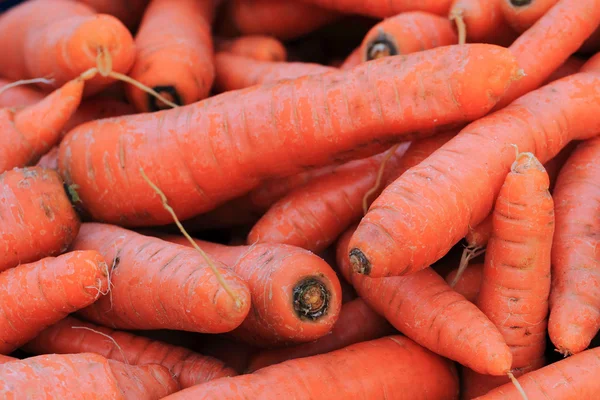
[517, 385]
[469, 253]
[456, 15]
[106, 336]
[212, 266]
[389, 154]
[21, 82]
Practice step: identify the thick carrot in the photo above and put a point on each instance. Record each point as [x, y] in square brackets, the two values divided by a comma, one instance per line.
[73, 336]
[257, 47]
[357, 323]
[384, 8]
[236, 72]
[390, 365]
[284, 19]
[37, 217]
[407, 33]
[522, 14]
[456, 186]
[482, 20]
[284, 129]
[37, 295]
[575, 298]
[469, 283]
[296, 296]
[5, 359]
[573, 378]
[61, 39]
[173, 53]
[86, 375]
[173, 286]
[424, 308]
[128, 12]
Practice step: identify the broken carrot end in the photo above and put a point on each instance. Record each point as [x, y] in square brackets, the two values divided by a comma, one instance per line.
[360, 263]
[311, 299]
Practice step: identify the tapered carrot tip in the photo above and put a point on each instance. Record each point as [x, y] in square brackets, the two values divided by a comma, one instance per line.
[571, 332]
[528, 163]
[383, 45]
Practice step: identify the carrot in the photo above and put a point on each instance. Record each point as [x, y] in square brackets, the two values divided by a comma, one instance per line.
[469, 283]
[173, 53]
[357, 323]
[37, 217]
[42, 293]
[73, 336]
[19, 95]
[236, 72]
[284, 19]
[522, 14]
[256, 47]
[394, 364]
[456, 186]
[480, 21]
[323, 128]
[592, 64]
[575, 298]
[61, 39]
[98, 108]
[296, 296]
[406, 33]
[172, 285]
[5, 359]
[128, 12]
[233, 353]
[86, 375]
[383, 9]
[573, 378]
[353, 59]
[424, 308]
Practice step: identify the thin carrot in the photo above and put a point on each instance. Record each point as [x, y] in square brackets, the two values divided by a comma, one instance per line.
[575, 298]
[61, 39]
[37, 217]
[384, 8]
[236, 72]
[296, 296]
[256, 47]
[469, 282]
[173, 53]
[284, 129]
[456, 186]
[406, 33]
[424, 308]
[37, 295]
[85, 375]
[357, 323]
[522, 14]
[128, 12]
[73, 336]
[393, 364]
[479, 20]
[175, 288]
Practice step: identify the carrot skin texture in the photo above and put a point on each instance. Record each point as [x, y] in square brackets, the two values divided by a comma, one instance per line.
[469, 283]
[383, 9]
[575, 298]
[174, 53]
[67, 337]
[392, 248]
[395, 364]
[129, 12]
[521, 18]
[172, 286]
[353, 59]
[92, 376]
[256, 47]
[213, 167]
[357, 323]
[42, 293]
[483, 18]
[45, 208]
[424, 308]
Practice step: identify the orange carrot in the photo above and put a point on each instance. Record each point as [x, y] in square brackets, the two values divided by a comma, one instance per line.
[357, 323]
[390, 365]
[522, 14]
[236, 72]
[575, 298]
[18, 96]
[85, 375]
[73, 336]
[173, 53]
[128, 12]
[174, 288]
[407, 33]
[37, 295]
[353, 59]
[296, 296]
[384, 8]
[592, 64]
[312, 121]
[469, 283]
[37, 217]
[5, 359]
[97, 108]
[256, 47]
[61, 39]
[456, 186]
[479, 20]
[424, 308]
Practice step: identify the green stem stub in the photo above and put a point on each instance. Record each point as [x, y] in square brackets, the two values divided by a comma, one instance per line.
[311, 299]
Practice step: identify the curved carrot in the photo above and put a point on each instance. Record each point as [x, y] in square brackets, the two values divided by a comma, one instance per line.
[469, 283]
[439, 197]
[61, 39]
[392, 364]
[174, 288]
[37, 295]
[37, 217]
[73, 336]
[173, 53]
[128, 12]
[424, 308]
[406, 33]
[522, 14]
[575, 298]
[312, 121]
[357, 323]
[483, 20]
[87, 375]
[256, 47]
[384, 8]
[296, 296]
[236, 72]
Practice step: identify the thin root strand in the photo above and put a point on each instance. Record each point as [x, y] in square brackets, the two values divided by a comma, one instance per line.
[388, 155]
[22, 82]
[517, 385]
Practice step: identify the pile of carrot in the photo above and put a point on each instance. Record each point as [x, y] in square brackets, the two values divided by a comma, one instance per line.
[308, 199]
